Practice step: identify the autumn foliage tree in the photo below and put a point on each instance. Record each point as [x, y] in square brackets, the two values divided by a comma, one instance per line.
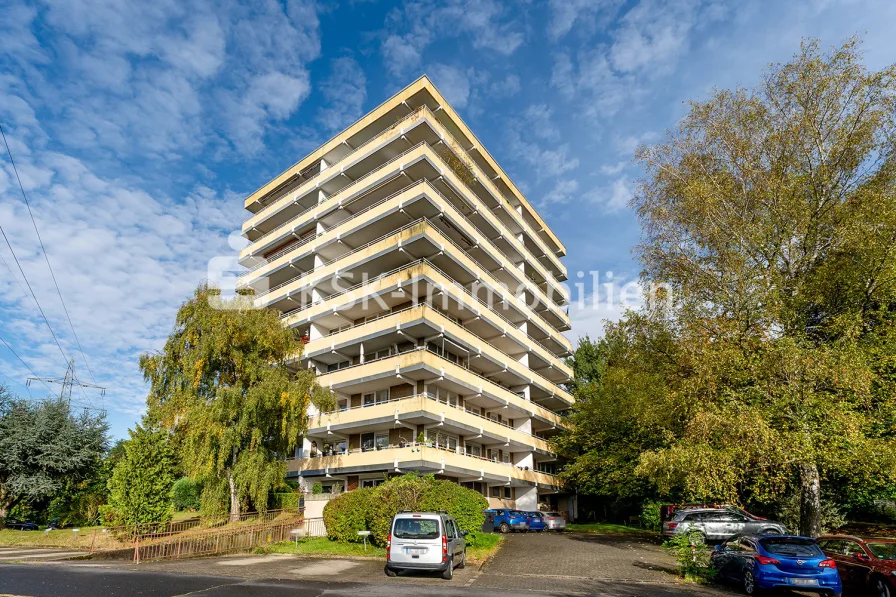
[227, 387]
[770, 214]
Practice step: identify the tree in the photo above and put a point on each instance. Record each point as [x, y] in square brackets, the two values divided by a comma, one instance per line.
[224, 385]
[771, 214]
[43, 446]
[140, 487]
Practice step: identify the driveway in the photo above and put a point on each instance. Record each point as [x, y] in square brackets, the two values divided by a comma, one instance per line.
[571, 563]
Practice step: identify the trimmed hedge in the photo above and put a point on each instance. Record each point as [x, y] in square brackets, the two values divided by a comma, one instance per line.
[186, 493]
[285, 501]
[373, 509]
[347, 514]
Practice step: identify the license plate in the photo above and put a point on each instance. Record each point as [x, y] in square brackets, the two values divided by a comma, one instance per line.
[414, 550]
[804, 581]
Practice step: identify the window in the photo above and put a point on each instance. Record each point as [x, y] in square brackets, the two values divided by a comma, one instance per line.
[883, 550]
[506, 458]
[473, 450]
[378, 397]
[416, 528]
[372, 482]
[497, 492]
[341, 447]
[508, 493]
[442, 440]
[789, 546]
[450, 531]
[382, 441]
[367, 442]
[337, 366]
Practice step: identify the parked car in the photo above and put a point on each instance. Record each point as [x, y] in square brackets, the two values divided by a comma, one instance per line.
[425, 541]
[713, 524]
[505, 521]
[867, 566]
[55, 524]
[762, 562]
[535, 520]
[553, 521]
[21, 525]
[668, 511]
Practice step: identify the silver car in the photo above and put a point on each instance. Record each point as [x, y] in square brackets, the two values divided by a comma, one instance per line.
[425, 541]
[713, 524]
[553, 521]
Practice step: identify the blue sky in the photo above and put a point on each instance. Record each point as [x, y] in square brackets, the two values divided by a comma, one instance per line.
[138, 129]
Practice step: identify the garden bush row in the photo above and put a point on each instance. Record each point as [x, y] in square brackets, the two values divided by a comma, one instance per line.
[372, 509]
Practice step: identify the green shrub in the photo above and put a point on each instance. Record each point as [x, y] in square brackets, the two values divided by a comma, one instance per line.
[692, 557]
[650, 516]
[317, 488]
[373, 509]
[285, 501]
[349, 513]
[789, 514]
[415, 492]
[186, 493]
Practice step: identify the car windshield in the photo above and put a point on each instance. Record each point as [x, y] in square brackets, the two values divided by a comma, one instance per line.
[883, 551]
[789, 546]
[416, 528]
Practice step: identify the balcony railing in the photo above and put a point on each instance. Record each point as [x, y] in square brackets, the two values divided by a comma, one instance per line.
[497, 195]
[411, 265]
[434, 398]
[547, 382]
[459, 364]
[414, 445]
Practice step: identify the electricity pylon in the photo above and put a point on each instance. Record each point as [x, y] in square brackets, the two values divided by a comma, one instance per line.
[67, 382]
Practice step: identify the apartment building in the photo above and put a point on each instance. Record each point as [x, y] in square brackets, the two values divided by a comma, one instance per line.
[429, 294]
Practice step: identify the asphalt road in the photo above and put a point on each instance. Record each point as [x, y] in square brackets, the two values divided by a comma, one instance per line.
[543, 564]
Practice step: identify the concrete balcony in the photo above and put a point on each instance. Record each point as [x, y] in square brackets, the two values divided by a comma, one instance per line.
[419, 365]
[397, 460]
[417, 239]
[419, 280]
[422, 321]
[359, 165]
[425, 409]
[326, 220]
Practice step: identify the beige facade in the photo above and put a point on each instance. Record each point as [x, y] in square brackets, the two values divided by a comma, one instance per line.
[432, 301]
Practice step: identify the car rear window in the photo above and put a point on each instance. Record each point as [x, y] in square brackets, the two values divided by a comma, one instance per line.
[552, 514]
[789, 546]
[416, 528]
[884, 551]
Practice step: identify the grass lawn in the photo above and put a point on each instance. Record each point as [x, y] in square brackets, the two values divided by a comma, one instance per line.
[61, 538]
[482, 546]
[607, 527]
[324, 547]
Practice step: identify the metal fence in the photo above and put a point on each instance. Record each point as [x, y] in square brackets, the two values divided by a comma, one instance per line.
[221, 540]
[313, 527]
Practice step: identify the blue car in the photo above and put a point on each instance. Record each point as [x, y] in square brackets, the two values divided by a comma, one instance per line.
[536, 521]
[764, 562]
[505, 521]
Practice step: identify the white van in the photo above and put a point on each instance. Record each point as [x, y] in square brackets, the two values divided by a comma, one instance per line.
[425, 541]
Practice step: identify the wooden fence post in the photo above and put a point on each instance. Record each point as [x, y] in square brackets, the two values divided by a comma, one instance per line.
[137, 549]
[93, 541]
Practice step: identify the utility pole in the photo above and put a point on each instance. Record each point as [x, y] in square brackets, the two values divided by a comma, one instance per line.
[67, 382]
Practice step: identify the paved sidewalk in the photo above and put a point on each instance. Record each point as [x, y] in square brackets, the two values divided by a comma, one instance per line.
[32, 554]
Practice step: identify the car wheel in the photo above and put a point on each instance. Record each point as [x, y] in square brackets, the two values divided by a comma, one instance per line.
[463, 561]
[390, 573]
[881, 589]
[448, 574]
[750, 587]
[504, 528]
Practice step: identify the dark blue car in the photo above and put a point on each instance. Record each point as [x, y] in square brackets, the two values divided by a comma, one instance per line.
[764, 562]
[536, 521]
[505, 521]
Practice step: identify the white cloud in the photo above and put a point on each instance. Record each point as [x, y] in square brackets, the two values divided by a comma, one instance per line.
[452, 82]
[506, 87]
[613, 197]
[488, 24]
[567, 13]
[344, 93]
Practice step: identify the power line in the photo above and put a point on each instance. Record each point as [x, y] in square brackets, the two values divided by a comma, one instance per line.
[37, 302]
[46, 256]
[23, 362]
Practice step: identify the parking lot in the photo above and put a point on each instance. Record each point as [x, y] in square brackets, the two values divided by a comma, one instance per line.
[546, 563]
